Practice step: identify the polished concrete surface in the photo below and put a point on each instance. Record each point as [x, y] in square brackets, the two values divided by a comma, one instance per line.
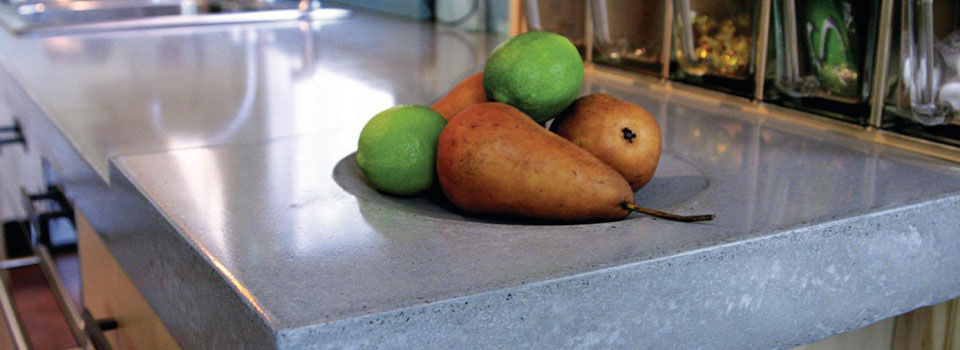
[216, 164]
[140, 91]
[809, 224]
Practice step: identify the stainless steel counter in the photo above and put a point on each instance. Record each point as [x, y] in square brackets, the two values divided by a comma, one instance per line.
[223, 182]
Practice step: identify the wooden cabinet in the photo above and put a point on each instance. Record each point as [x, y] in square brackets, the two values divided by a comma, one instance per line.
[109, 293]
[934, 327]
[877, 336]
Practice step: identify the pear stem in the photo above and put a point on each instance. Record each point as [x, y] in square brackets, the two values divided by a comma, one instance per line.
[668, 216]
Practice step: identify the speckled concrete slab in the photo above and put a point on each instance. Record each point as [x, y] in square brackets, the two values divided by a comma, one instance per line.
[815, 234]
[271, 240]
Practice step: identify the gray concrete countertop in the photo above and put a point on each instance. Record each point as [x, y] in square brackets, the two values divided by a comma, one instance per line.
[243, 220]
[114, 93]
[815, 234]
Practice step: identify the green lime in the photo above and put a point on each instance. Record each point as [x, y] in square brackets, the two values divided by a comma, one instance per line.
[539, 73]
[397, 150]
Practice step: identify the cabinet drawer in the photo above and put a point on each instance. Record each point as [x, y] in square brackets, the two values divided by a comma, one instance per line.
[109, 293]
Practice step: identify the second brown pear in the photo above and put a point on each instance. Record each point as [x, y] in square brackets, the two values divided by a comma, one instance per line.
[467, 93]
[620, 133]
[494, 159]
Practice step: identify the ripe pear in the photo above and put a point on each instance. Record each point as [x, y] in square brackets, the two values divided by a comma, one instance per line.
[492, 158]
[467, 93]
[620, 133]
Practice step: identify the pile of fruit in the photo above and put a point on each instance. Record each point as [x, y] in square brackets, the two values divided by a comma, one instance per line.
[486, 144]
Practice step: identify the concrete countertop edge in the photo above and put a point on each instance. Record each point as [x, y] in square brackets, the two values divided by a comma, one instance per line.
[348, 332]
[119, 170]
[166, 253]
[31, 97]
[514, 310]
[283, 334]
[104, 179]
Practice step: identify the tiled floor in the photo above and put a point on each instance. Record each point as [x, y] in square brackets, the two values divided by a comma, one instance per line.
[39, 315]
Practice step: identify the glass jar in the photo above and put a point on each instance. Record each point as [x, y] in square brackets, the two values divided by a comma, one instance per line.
[715, 43]
[923, 89]
[628, 34]
[821, 56]
[564, 17]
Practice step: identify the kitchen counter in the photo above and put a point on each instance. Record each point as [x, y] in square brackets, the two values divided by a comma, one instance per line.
[216, 163]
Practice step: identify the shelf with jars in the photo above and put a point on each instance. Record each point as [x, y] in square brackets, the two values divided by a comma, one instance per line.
[886, 70]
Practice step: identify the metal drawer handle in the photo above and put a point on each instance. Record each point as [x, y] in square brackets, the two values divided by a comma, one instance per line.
[40, 220]
[93, 329]
[16, 134]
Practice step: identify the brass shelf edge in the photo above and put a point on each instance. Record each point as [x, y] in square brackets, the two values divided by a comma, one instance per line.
[760, 72]
[881, 65]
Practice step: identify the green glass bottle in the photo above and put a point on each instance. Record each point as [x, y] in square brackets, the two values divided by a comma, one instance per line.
[833, 47]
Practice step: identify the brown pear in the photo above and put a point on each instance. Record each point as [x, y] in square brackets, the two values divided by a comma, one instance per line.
[492, 158]
[467, 93]
[620, 133]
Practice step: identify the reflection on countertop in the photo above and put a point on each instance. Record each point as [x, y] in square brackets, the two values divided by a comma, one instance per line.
[188, 87]
[58, 17]
[350, 251]
[224, 158]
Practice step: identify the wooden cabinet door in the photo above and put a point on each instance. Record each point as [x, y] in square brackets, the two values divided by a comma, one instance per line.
[934, 327]
[108, 292]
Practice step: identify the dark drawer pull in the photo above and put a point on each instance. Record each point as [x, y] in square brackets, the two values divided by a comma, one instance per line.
[94, 328]
[15, 134]
[106, 324]
[39, 218]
